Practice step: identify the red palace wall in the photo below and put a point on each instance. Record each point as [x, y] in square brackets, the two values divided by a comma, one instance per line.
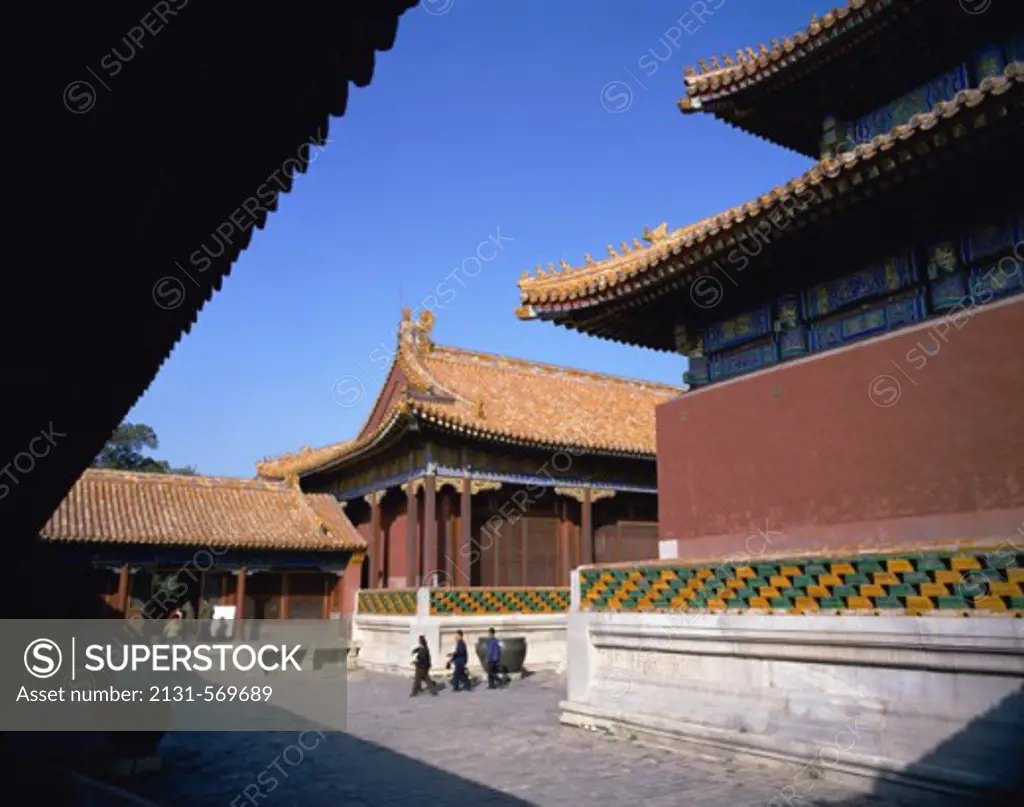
[876, 443]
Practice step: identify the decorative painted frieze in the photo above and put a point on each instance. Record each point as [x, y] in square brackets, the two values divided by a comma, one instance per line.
[744, 361]
[480, 485]
[994, 280]
[475, 485]
[579, 494]
[875, 320]
[947, 282]
[792, 333]
[793, 343]
[991, 239]
[738, 330]
[916, 102]
[891, 275]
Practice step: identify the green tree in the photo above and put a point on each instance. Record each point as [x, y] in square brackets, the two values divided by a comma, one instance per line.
[123, 452]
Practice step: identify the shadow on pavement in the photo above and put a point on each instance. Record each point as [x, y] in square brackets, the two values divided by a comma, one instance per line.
[202, 770]
[991, 747]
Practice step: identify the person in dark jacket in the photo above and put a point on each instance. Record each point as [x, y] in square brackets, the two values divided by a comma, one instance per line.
[460, 658]
[493, 661]
[422, 662]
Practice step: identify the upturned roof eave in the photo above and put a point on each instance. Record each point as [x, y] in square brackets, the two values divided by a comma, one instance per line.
[586, 288]
[708, 87]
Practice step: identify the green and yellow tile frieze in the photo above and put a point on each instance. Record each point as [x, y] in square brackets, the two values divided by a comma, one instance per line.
[483, 601]
[397, 601]
[975, 581]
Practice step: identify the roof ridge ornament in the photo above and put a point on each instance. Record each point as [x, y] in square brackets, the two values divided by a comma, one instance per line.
[416, 335]
[659, 233]
[426, 323]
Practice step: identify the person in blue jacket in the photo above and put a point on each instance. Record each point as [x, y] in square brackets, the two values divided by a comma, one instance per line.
[493, 661]
[460, 658]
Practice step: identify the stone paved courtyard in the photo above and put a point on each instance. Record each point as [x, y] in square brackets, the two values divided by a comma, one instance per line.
[500, 747]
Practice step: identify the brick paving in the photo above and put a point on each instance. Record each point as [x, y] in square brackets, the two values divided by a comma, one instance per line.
[486, 748]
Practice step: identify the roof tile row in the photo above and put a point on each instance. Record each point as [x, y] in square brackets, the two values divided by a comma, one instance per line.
[501, 399]
[122, 507]
[613, 275]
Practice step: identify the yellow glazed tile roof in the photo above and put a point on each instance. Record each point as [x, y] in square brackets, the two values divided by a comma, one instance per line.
[123, 507]
[712, 79]
[631, 267]
[496, 398]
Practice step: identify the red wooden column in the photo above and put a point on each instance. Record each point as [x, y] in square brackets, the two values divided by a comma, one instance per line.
[524, 537]
[411, 533]
[562, 508]
[447, 549]
[429, 548]
[574, 542]
[586, 529]
[376, 550]
[329, 585]
[350, 580]
[286, 580]
[498, 538]
[465, 553]
[121, 603]
[239, 601]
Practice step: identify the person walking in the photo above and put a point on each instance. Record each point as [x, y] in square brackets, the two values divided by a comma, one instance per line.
[422, 663]
[493, 661]
[460, 658]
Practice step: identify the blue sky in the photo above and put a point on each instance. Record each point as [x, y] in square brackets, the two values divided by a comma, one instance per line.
[490, 119]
